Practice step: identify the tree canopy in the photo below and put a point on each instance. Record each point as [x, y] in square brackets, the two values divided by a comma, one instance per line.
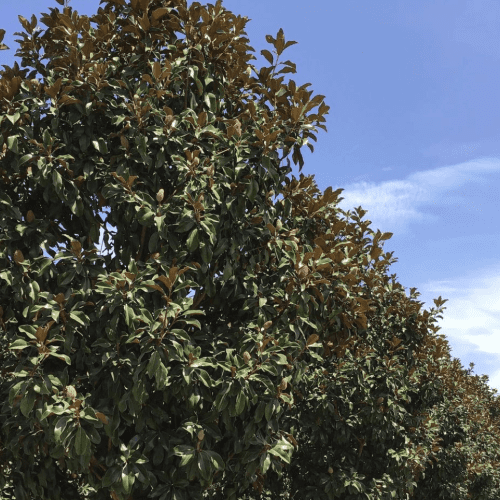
[238, 344]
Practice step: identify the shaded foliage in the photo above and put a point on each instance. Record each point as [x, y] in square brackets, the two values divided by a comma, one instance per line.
[238, 344]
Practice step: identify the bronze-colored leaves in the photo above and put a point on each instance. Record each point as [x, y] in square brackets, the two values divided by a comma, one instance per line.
[202, 119]
[76, 248]
[18, 257]
[166, 281]
[303, 272]
[26, 25]
[312, 339]
[101, 417]
[30, 216]
[59, 298]
[318, 252]
[158, 13]
[267, 55]
[42, 331]
[234, 129]
[2, 46]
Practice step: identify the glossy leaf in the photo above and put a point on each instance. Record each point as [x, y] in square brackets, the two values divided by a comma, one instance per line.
[172, 296]
[82, 442]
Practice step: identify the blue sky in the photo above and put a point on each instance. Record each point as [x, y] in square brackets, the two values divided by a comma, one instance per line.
[413, 137]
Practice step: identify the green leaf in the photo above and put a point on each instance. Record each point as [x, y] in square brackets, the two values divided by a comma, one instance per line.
[221, 399]
[84, 142]
[82, 442]
[204, 465]
[241, 400]
[24, 159]
[12, 144]
[6, 277]
[182, 450]
[118, 119]
[187, 372]
[112, 476]
[142, 145]
[185, 224]
[158, 455]
[206, 253]
[269, 410]
[139, 391]
[194, 312]
[61, 356]
[57, 181]
[210, 230]
[19, 344]
[216, 460]
[13, 118]
[266, 462]
[66, 278]
[154, 363]
[161, 376]
[44, 264]
[100, 145]
[159, 222]
[129, 315]
[77, 207]
[27, 402]
[60, 426]
[187, 457]
[228, 271]
[259, 413]
[204, 377]
[282, 450]
[252, 189]
[145, 216]
[211, 102]
[14, 390]
[128, 480]
[153, 242]
[47, 139]
[192, 241]
[80, 317]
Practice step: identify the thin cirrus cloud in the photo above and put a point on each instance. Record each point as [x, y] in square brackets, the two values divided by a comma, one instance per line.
[397, 203]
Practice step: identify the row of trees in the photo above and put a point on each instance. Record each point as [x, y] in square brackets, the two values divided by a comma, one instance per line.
[245, 340]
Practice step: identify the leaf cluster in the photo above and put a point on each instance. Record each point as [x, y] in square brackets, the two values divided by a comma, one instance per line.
[237, 344]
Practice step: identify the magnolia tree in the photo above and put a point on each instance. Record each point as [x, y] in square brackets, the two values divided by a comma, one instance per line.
[244, 340]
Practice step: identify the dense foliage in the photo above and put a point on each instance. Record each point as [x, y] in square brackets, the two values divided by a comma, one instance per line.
[245, 340]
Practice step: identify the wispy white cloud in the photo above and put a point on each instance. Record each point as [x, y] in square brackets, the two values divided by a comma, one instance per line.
[393, 205]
